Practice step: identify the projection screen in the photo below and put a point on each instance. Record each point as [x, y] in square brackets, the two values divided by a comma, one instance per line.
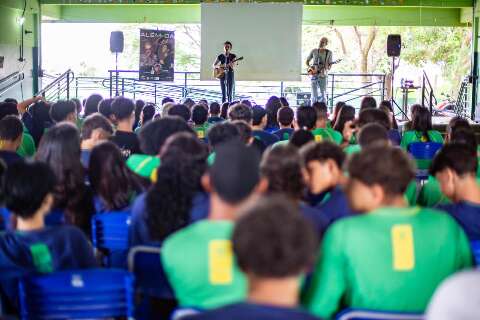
[268, 36]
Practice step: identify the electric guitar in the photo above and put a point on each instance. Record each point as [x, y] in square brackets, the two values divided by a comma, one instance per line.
[320, 69]
[219, 71]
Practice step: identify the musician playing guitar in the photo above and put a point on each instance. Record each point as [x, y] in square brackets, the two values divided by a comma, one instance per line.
[227, 81]
[322, 62]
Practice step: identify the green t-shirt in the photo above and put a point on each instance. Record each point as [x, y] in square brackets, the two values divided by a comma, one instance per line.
[431, 195]
[391, 259]
[199, 263]
[201, 131]
[411, 193]
[321, 134]
[417, 136]
[352, 148]
[27, 148]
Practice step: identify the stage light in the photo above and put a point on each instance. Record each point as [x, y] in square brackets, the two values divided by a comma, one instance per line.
[21, 20]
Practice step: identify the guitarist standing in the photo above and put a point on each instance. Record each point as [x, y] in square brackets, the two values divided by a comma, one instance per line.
[227, 81]
[322, 62]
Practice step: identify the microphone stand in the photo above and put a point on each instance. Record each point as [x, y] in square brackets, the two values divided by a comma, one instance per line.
[227, 87]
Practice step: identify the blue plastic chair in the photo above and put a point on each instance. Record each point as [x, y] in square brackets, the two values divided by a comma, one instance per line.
[110, 235]
[361, 314]
[423, 153]
[83, 294]
[475, 245]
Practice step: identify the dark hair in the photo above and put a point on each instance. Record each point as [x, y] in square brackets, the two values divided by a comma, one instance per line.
[214, 108]
[284, 102]
[109, 177]
[40, 113]
[272, 106]
[222, 132]
[386, 106]
[11, 100]
[61, 109]
[457, 123]
[301, 137]
[368, 102]
[105, 107]
[306, 117]
[228, 42]
[60, 148]
[338, 106]
[459, 157]
[188, 103]
[240, 111]
[180, 110]
[322, 152]
[122, 108]
[139, 105]
[422, 121]
[389, 167]
[11, 128]
[321, 109]
[285, 116]
[93, 122]
[224, 110]
[465, 136]
[246, 102]
[377, 116]
[372, 133]
[27, 183]
[199, 114]
[244, 129]
[148, 113]
[78, 105]
[7, 109]
[166, 100]
[169, 200]
[91, 104]
[281, 167]
[203, 102]
[347, 113]
[273, 240]
[153, 135]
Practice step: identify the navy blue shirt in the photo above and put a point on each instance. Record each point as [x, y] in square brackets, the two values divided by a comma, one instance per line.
[316, 216]
[138, 232]
[284, 134]
[394, 136]
[215, 119]
[267, 138]
[333, 206]
[251, 311]
[9, 157]
[467, 215]
[61, 248]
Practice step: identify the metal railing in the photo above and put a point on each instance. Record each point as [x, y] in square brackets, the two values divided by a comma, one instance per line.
[461, 105]
[428, 97]
[11, 81]
[59, 88]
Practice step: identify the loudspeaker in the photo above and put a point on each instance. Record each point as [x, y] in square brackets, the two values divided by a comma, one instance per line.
[394, 45]
[116, 41]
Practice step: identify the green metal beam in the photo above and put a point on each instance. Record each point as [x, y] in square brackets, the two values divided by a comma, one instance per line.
[395, 3]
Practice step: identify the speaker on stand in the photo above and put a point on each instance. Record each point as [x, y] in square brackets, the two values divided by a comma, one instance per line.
[394, 48]
[116, 46]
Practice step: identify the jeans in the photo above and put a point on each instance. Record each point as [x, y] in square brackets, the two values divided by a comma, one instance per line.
[226, 84]
[319, 83]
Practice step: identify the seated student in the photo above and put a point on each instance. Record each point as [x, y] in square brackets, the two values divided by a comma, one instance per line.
[105, 109]
[271, 107]
[214, 113]
[421, 129]
[199, 119]
[380, 117]
[344, 120]
[64, 110]
[189, 103]
[147, 114]
[240, 111]
[210, 278]
[322, 131]
[393, 132]
[224, 109]
[33, 247]
[139, 104]
[91, 104]
[456, 298]
[281, 167]
[38, 120]
[27, 147]
[285, 118]
[113, 184]
[11, 133]
[371, 134]
[399, 253]
[259, 122]
[368, 102]
[176, 197]
[181, 111]
[322, 164]
[274, 268]
[96, 128]
[306, 118]
[124, 137]
[338, 106]
[455, 167]
[301, 137]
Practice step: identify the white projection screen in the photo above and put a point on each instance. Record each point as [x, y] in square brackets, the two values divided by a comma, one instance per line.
[267, 35]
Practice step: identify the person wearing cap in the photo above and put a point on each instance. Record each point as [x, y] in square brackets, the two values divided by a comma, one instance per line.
[198, 259]
[259, 122]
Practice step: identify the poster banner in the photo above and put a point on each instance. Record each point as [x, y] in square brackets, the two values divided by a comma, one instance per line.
[157, 55]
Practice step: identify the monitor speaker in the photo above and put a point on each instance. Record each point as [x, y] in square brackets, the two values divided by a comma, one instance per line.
[394, 45]
[116, 41]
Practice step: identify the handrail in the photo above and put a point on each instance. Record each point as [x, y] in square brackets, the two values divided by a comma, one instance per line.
[427, 92]
[18, 78]
[59, 86]
[11, 76]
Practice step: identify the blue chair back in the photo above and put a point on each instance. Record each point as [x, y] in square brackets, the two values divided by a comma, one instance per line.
[144, 262]
[110, 230]
[359, 314]
[475, 245]
[424, 150]
[93, 293]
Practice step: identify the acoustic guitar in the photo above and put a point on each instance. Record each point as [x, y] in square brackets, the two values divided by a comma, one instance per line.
[219, 71]
[319, 69]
